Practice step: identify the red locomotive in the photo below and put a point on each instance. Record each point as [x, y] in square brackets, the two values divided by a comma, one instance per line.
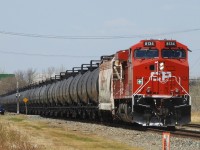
[147, 84]
[151, 83]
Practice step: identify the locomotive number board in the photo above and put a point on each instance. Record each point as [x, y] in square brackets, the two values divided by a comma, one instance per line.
[170, 44]
[149, 44]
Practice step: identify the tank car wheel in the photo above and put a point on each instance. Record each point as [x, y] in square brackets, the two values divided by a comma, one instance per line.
[83, 116]
[61, 114]
[46, 113]
[67, 114]
[43, 113]
[55, 114]
[93, 115]
[51, 114]
[74, 114]
[40, 112]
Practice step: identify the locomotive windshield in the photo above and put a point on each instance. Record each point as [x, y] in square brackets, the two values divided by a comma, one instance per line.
[168, 53]
[144, 53]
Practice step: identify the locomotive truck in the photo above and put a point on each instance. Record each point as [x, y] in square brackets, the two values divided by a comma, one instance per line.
[146, 84]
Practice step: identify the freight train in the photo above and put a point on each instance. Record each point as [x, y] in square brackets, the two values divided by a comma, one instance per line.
[146, 84]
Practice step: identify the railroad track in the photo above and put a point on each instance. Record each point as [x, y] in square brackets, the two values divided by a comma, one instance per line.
[193, 126]
[176, 132]
[185, 133]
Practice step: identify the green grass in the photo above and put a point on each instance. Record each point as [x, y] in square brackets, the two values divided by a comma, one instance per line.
[16, 119]
[78, 138]
[37, 127]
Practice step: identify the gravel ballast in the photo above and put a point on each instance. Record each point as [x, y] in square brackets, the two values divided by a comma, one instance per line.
[144, 139]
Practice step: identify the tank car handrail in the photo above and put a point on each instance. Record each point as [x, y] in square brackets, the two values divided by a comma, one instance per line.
[82, 68]
[70, 73]
[97, 62]
[107, 57]
[76, 69]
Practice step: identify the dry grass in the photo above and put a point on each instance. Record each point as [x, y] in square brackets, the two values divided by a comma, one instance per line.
[13, 140]
[196, 117]
[53, 136]
[195, 95]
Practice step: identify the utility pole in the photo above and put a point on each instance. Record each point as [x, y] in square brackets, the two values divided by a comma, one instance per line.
[17, 97]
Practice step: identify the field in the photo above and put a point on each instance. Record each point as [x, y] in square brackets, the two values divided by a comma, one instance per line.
[20, 132]
[195, 95]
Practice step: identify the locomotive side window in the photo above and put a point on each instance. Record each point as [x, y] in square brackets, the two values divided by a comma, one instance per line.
[144, 53]
[168, 53]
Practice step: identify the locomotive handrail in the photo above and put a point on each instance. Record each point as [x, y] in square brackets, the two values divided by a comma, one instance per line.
[183, 89]
[138, 90]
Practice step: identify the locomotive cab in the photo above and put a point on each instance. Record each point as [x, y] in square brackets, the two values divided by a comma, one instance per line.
[160, 77]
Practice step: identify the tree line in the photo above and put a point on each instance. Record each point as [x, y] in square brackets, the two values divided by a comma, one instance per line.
[25, 78]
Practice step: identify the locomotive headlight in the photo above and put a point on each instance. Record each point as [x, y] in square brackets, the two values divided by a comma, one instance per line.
[162, 66]
[176, 90]
[148, 90]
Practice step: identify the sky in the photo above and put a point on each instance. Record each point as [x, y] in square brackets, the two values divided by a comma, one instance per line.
[59, 21]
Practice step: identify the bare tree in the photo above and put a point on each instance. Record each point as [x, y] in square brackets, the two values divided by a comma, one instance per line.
[7, 84]
[51, 71]
[2, 70]
[20, 77]
[27, 77]
[30, 74]
[60, 69]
